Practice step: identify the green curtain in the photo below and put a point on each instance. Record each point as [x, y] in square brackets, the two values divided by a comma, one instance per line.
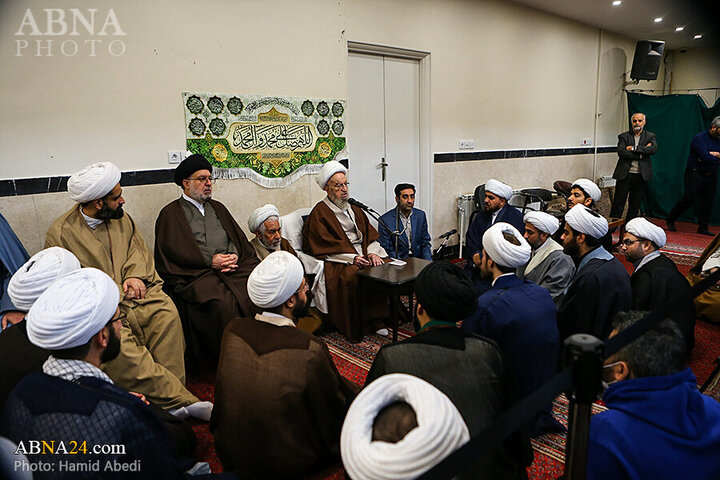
[675, 120]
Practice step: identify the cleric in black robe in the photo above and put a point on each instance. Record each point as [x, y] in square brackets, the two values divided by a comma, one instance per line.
[466, 367]
[601, 285]
[656, 278]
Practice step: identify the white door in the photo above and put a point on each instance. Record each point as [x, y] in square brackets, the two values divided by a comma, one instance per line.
[383, 127]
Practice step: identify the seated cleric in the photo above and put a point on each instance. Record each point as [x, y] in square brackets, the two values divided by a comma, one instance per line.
[408, 229]
[341, 235]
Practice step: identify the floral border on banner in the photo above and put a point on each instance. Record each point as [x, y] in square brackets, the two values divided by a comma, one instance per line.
[271, 140]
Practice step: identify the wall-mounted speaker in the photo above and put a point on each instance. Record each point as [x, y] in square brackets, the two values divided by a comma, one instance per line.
[646, 62]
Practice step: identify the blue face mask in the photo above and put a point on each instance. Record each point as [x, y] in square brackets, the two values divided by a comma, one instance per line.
[606, 384]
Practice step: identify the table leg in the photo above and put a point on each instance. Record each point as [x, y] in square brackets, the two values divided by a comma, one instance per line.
[394, 307]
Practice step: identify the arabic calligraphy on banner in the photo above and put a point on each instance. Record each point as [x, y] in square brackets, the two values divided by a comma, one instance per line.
[271, 140]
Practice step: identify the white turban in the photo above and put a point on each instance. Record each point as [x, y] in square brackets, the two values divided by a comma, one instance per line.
[38, 273]
[584, 220]
[499, 189]
[502, 251]
[275, 279]
[329, 169]
[93, 182]
[259, 215]
[589, 187]
[72, 310]
[440, 431]
[642, 228]
[542, 221]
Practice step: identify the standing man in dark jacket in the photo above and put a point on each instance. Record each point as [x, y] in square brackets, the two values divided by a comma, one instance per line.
[700, 178]
[634, 168]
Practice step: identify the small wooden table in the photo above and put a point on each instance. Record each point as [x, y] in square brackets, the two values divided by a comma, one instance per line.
[394, 281]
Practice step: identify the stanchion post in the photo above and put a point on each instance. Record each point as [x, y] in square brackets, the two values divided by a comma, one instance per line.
[585, 354]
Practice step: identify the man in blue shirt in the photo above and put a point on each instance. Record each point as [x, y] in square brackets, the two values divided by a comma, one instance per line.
[12, 255]
[700, 178]
[658, 424]
[405, 230]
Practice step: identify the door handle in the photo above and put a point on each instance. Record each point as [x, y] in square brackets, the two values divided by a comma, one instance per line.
[384, 165]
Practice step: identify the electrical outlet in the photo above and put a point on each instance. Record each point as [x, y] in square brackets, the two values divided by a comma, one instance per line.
[175, 156]
[466, 144]
[585, 141]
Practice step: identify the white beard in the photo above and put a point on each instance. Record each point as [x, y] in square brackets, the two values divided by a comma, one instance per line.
[341, 204]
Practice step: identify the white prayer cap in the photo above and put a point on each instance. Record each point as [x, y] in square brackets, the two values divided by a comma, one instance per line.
[259, 215]
[584, 220]
[38, 273]
[642, 228]
[275, 279]
[329, 169]
[93, 182]
[589, 187]
[498, 188]
[72, 310]
[501, 250]
[542, 221]
[440, 431]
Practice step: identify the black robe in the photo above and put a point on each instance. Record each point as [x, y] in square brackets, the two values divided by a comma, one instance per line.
[472, 372]
[599, 291]
[657, 282]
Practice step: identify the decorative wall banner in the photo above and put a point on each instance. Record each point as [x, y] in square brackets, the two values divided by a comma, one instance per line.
[270, 140]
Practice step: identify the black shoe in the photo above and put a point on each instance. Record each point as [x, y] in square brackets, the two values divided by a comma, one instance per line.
[671, 225]
[705, 231]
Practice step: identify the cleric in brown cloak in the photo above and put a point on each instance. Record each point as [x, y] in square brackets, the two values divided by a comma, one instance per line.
[204, 258]
[341, 235]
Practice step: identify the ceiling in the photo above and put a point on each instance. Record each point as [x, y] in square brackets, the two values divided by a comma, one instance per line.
[635, 18]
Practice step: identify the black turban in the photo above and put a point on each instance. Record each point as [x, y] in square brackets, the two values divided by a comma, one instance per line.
[190, 165]
[445, 292]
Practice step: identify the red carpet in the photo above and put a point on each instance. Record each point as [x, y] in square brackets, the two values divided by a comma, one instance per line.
[353, 362]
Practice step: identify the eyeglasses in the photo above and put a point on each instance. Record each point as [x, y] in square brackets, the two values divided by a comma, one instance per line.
[627, 243]
[340, 186]
[122, 317]
[203, 179]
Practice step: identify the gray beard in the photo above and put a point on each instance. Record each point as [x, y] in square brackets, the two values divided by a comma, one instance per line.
[269, 247]
[341, 204]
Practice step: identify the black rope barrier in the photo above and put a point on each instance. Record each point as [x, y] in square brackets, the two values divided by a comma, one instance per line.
[579, 380]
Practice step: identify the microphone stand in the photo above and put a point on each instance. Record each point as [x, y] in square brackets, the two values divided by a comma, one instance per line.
[380, 221]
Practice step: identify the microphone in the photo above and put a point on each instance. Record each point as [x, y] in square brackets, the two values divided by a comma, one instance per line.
[358, 204]
[447, 234]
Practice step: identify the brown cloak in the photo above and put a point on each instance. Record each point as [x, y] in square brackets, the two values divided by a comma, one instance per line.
[279, 401]
[323, 235]
[207, 298]
[707, 304]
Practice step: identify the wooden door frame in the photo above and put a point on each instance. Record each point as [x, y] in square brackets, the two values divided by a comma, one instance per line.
[423, 59]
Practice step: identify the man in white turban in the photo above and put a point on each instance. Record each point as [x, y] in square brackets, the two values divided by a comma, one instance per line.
[655, 278]
[18, 356]
[469, 369]
[264, 222]
[601, 285]
[78, 320]
[279, 400]
[101, 235]
[519, 315]
[399, 427]
[584, 192]
[496, 209]
[341, 235]
[549, 266]
[204, 259]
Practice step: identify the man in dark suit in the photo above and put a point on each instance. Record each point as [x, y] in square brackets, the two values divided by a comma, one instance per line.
[404, 232]
[656, 279]
[634, 168]
[496, 209]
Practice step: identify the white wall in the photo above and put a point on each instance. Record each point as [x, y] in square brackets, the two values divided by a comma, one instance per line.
[504, 75]
[697, 68]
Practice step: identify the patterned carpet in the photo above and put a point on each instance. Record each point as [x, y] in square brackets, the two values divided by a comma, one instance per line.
[354, 360]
